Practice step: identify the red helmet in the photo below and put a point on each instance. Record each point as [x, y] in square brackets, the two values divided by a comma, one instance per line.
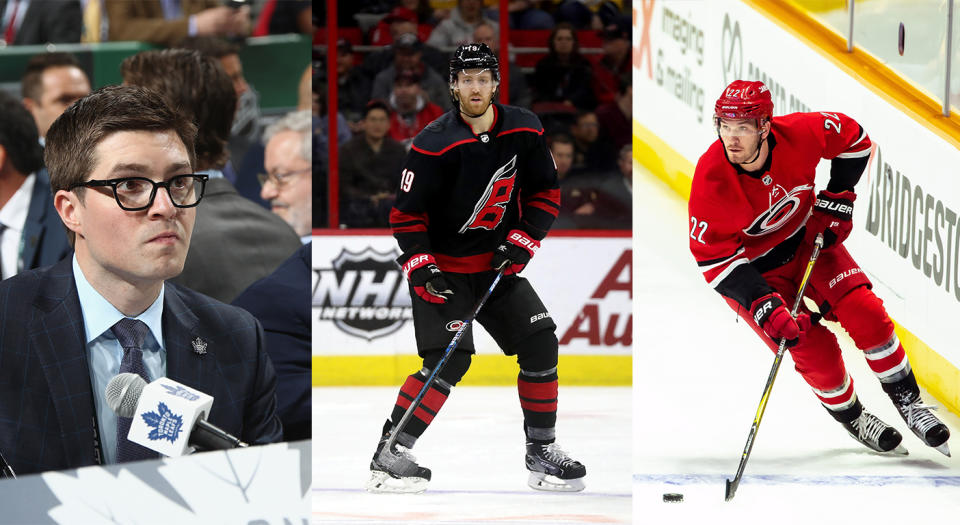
[745, 99]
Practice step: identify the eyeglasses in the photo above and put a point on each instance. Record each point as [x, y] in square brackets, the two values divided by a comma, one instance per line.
[137, 193]
[279, 179]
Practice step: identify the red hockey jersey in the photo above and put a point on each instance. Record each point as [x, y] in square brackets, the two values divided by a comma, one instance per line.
[745, 223]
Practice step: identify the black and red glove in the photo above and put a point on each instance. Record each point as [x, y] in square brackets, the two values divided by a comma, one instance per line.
[771, 314]
[515, 252]
[428, 281]
[832, 215]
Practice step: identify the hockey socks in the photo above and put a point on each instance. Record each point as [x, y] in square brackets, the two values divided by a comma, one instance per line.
[423, 415]
[538, 400]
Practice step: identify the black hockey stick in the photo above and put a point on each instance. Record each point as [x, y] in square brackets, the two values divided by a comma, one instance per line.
[732, 485]
[395, 431]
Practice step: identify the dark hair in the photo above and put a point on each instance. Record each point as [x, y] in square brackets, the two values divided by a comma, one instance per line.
[19, 136]
[195, 85]
[375, 104]
[556, 29]
[31, 84]
[210, 46]
[559, 138]
[73, 138]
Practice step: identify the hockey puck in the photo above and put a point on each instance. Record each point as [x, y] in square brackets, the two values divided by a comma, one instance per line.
[900, 38]
[673, 497]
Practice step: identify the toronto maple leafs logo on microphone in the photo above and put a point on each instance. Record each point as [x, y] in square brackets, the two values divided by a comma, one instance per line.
[164, 424]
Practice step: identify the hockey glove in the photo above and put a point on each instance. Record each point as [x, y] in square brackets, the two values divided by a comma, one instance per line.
[832, 215]
[427, 279]
[514, 253]
[771, 314]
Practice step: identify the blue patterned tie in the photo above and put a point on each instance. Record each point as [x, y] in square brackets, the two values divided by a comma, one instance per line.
[131, 333]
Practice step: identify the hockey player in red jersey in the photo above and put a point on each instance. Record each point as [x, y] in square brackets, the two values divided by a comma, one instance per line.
[478, 192]
[753, 217]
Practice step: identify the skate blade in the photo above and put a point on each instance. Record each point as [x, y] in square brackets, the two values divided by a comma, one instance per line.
[943, 449]
[548, 483]
[899, 451]
[383, 483]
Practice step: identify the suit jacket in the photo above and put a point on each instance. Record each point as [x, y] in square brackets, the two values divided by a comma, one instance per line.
[44, 236]
[143, 20]
[45, 21]
[47, 414]
[234, 243]
[281, 302]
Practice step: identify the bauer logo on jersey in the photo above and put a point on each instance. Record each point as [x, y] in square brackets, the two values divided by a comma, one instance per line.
[364, 293]
[489, 210]
[780, 212]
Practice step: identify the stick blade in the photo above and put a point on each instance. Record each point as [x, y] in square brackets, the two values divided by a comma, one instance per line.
[731, 490]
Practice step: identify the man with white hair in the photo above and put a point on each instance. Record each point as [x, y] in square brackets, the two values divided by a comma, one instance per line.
[286, 185]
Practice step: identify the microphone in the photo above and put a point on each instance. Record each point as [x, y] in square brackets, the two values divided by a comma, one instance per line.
[161, 411]
[6, 471]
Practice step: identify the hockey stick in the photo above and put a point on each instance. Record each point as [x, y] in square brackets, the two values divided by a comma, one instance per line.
[395, 431]
[732, 485]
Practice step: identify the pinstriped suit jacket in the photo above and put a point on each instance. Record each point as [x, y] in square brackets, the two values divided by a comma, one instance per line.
[47, 415]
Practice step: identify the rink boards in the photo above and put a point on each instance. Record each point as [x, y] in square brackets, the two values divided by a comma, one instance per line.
[907, 216]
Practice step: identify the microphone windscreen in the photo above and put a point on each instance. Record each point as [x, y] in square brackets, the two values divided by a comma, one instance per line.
[123, 393]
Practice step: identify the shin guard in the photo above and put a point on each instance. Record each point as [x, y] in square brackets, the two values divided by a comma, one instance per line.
[861, 313]
[433, 400]
[537, 385]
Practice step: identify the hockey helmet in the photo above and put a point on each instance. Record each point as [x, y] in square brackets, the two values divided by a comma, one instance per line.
[744, 99]
[473, 56]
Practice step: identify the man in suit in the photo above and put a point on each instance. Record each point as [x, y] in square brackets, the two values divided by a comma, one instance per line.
[121, 164]
[166, 23]
[51, 82]
[236, 241]
[31, 22]
[31, 234]
[281, 302]
[288, 183]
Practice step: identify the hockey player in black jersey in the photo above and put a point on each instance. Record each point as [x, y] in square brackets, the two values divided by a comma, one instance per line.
[478, 192]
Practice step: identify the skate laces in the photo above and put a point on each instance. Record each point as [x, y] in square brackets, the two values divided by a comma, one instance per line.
[869, 427]
[919, 416]
[557, 455]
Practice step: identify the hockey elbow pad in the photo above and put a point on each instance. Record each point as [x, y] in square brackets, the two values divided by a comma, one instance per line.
[833, 216]
[426, 278]
[515, 252]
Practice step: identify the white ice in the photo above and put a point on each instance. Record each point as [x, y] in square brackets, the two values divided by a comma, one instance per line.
[698, 378]
[475, 448]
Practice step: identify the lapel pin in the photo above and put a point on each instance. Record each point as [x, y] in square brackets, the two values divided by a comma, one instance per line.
[199, 346]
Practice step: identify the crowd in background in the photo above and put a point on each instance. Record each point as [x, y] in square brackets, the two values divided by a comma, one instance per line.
[249, 244]
[569, 64]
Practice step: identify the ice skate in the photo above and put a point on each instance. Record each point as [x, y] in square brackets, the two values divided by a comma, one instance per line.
[551, 469]
[875, 434]
[396, 471]
[922, 422]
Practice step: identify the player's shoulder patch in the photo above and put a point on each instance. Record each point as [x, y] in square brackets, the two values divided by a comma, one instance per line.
[516, 119]
[441, 135]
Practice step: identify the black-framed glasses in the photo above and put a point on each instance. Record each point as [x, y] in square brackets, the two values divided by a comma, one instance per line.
[137, 193]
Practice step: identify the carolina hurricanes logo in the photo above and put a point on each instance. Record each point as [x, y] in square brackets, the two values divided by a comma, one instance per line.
[779, 213]
[453, 326]
[489, 210]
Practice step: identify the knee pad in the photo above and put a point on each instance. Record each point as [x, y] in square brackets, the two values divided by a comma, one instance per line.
[862, 315]
[457, 365]
[537, 353]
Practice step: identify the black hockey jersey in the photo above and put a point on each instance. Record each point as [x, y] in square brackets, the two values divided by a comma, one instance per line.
[460, 193]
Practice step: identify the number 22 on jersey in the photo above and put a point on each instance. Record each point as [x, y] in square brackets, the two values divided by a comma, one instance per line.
[694, 225]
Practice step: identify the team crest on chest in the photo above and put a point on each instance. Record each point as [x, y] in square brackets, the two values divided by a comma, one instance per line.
[489, 210]
[783, 206]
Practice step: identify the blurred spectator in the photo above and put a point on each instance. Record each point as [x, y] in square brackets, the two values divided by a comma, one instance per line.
[369, 169]
[401, 20]
[564, 75]
[32, 22]
[614, 65]
[458, 28]
[600, 200]
[287, 184]
[51, 82]
[422, 9]
[526, 14]
[615, 117]
[408, 57]
[167, 22]
[486, 33]
[589, 14]
[561, 147]
[279, 17]
[235, 242]
[281, 302]
[377, 61]
[353, 87]
[411, 109]
[590, 154]
[31, 233]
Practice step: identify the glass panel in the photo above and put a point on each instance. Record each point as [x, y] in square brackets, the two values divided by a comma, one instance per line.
[876, 30]
[955, 61]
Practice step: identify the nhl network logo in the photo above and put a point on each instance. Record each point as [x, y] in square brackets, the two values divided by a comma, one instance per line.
[363, 293]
